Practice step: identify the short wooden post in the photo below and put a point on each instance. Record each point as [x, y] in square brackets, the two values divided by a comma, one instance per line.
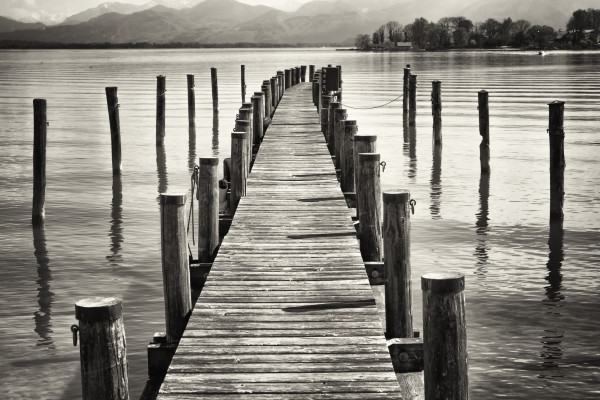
[274, 96]
[396, 256]
[412, 99]
[112, 101]
[557, 159]
[288, 78]
[243, 75]
[368, 196]
[436, 110]
[161, 89]
[102, 349]
[244, 126]
[333, 105]
[38, 210]
[303, 73]
[484, 130]
[257, 118]
[346, 152]
[191, 100]
[238, 178]
[405, 88]
[175, 265]
[215, 89]
[444, 336]
[339, 115]
[208, 209]
[326, 99]
[362, 144]
[311, 73]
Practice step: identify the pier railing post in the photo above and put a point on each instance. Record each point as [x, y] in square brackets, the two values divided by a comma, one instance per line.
[38, 211]
[102, 349]
[243, 76]
[238, 178]
[412, 99]
[112, 102]
[326, 99]
[405, 88]
[160, 109]
[333, 105]
[191, 100]
[436, 110]
[346, 151]
[368, 196]
[484, 130]
[215, 89]
[557, 159]
[339, 115]
[208, 209]
[444, 336]
[257, 118]
[396, 245]
[175, 265]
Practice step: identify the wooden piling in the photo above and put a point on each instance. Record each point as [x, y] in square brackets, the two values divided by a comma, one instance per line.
[266, 89]
[484, 130]
[191, 101]
[247, 113]
[244, 126]
[243, 75]
[288, 79]
[339, 115]
[298, 73]
[208, 209]
[436, 110]
[112, 101]
[362, 144]
[238, 178]
[280, 83]
[396, 256]
[444, 336]
[405, 88]
[161, 89]
[38, 210]
[311, 73]
[333, 105]
[368, 196]
[346, 151]
[274, 97]
[102, 349]
[175, 265]
[257, 118]
[303, 73]
[326, 99]
[412, 99]
[215, 89]
[557, 159]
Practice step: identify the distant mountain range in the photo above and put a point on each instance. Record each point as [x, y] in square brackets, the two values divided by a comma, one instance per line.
[231, 21]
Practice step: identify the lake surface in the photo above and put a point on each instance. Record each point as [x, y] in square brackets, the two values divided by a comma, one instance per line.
[533, 299]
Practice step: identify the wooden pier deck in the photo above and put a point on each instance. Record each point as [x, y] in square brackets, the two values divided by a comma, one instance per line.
[287, 311]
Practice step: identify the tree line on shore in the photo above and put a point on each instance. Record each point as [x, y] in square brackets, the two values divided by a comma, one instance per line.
[583, 31]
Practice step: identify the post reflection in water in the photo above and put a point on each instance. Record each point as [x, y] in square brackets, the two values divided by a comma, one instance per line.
[192, 148]
[436, 182]
[42, 317]
[552, 351]
[161, 170]
[481, 251]
[412, 152]
[116, 222]
[215, 132]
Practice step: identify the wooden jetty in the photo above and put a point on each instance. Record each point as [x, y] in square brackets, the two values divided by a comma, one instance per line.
[287, 310]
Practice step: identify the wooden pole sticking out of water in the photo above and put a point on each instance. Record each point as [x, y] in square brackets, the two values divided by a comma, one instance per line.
[311, 73]
[405, 87]
[346, 151]
[334, 105]
[38, 212]
[368, 196]
[339, 115]
[102, 349]
[412, 99]
[215, 89]
[396, 245]
[208, 209]
[444, 336]
[161, 89]
[243, 74]
[191, 87]
[112, 101]
[303, 73]
[484, 130]
[326, 99]
[238, 178]
[557, 159]
[257, 118]
[436, 110]
[175, 265]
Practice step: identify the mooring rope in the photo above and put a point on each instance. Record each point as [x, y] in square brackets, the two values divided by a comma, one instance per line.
[370, 108]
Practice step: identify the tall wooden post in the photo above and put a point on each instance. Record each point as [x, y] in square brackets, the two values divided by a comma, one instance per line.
[238, 178]
[244, 126]
[444, 336]
[405, 87]
[484, 130]
[412, 99]
[281, 83]
[396, 256]
[436, 110]
[266, 88]
[339, 91]
[557, 159]
[175, 265]
[326, 99]
[112, 101]
[334, 105]
[339, 115]
[161, 89]
[303, 73]
[274, 91]
[257, 118]
[311, 73]
[215, 89]
[346, 152]
[247, 113]
[38, 210]
[362, 144]
[288, 78]
[243, 74]
[315, 88]
[102, 349]
[191, 87]
[368, 196]
[208, 209]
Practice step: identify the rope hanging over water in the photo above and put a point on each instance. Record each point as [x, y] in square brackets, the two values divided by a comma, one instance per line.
[370, 108]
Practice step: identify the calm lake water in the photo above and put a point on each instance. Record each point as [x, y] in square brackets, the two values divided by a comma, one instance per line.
[533, 300]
